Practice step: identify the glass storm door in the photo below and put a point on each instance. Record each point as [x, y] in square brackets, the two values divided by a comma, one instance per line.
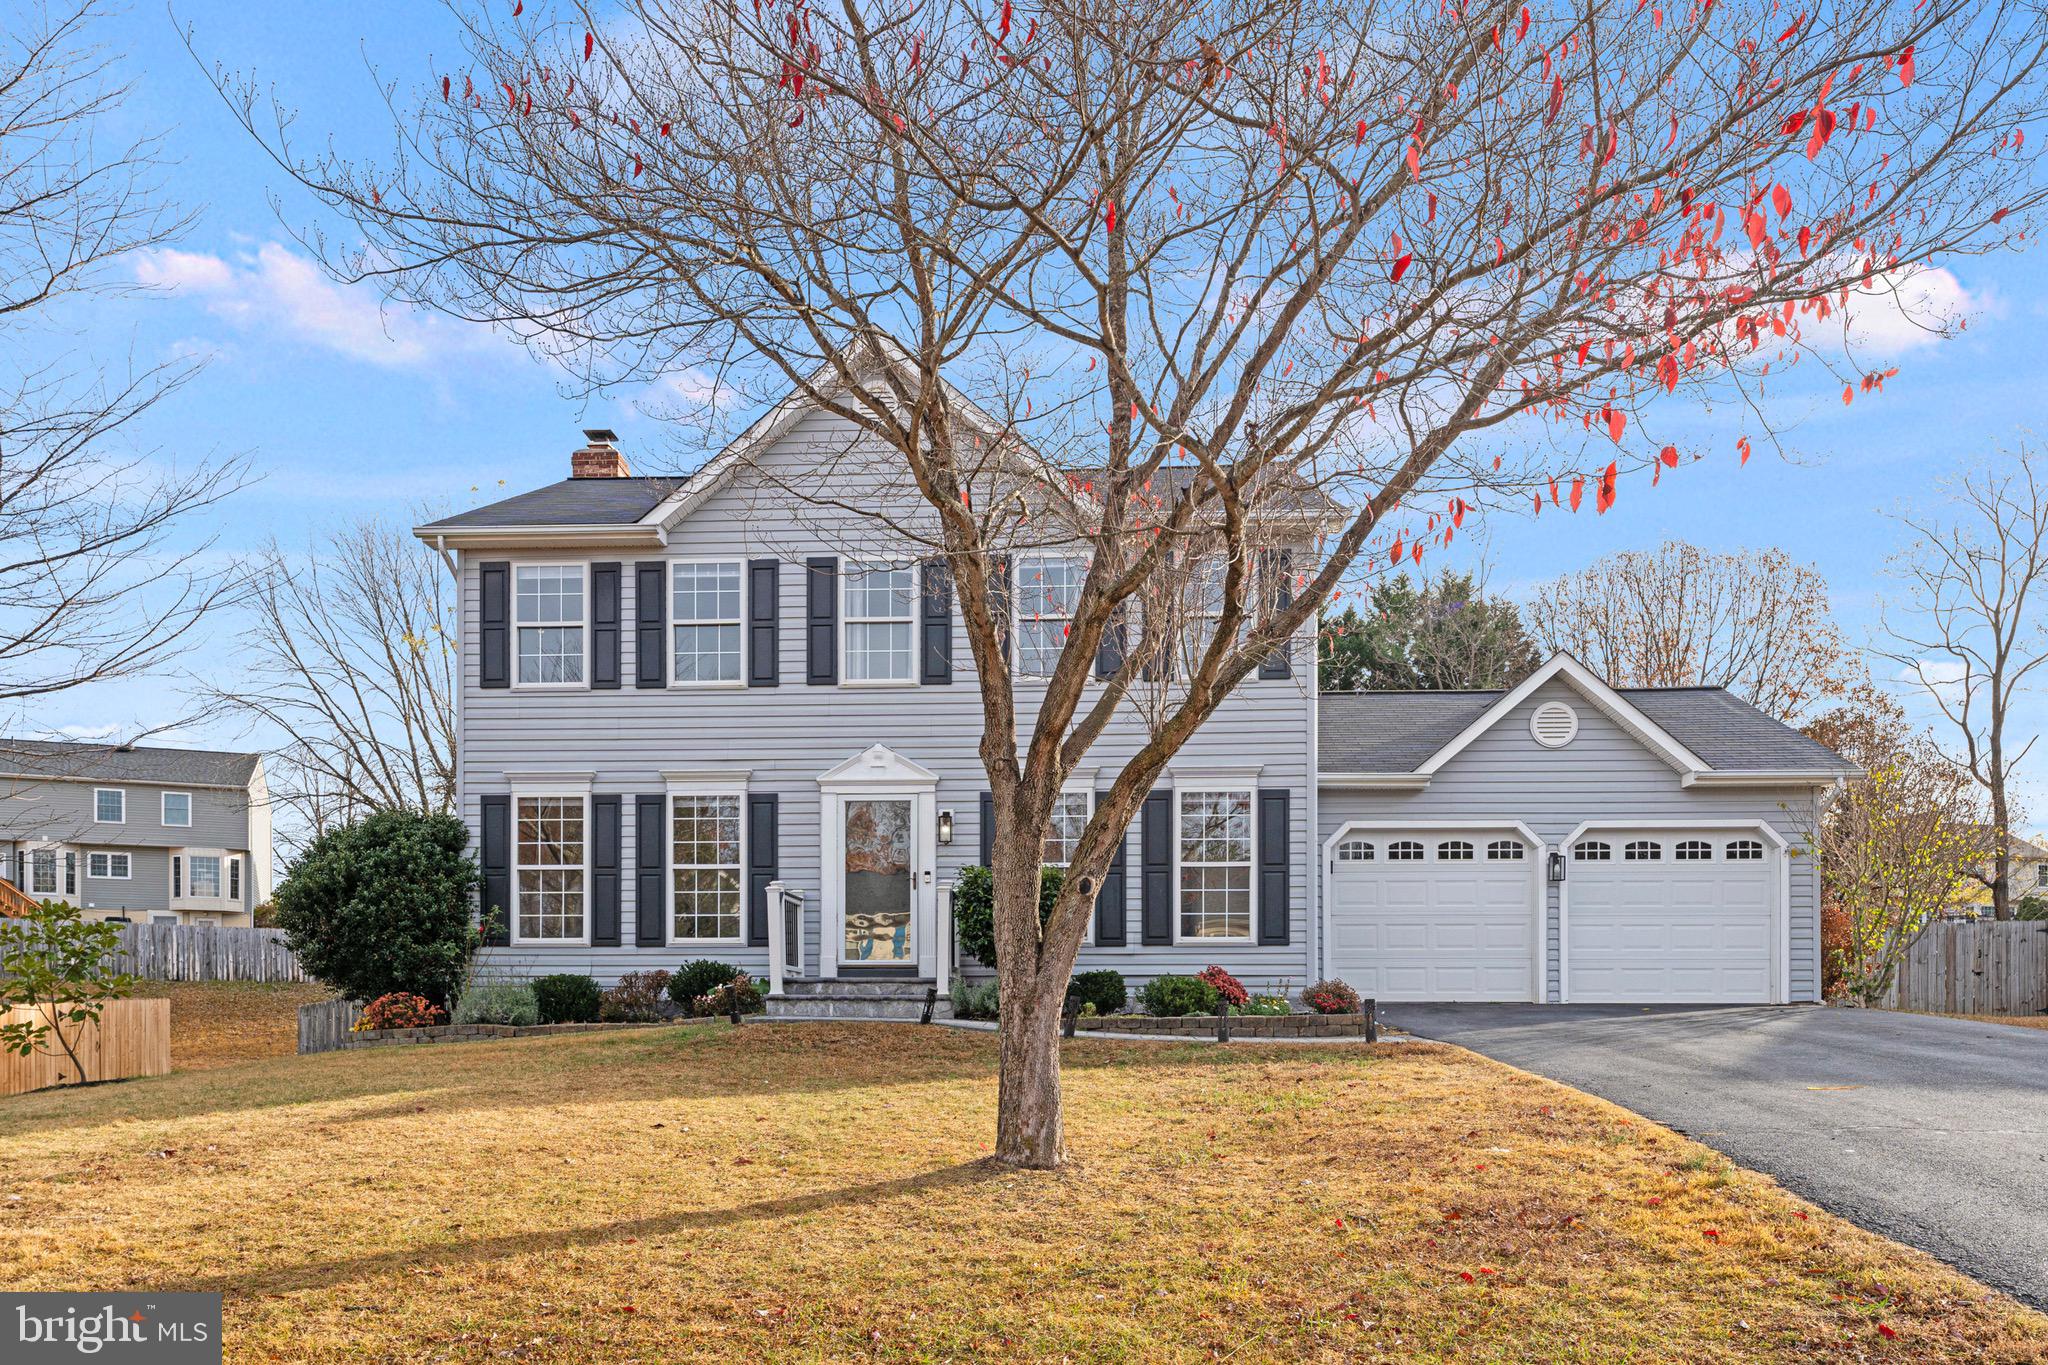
[878, 884]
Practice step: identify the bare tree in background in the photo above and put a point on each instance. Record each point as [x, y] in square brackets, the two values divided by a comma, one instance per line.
[353, 657]
[90, 586]
[1751, 621]
[1188, 259]
[1972, 632]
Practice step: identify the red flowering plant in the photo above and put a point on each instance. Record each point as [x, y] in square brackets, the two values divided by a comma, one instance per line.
[399, 1010]
[1229, 987]
[1331, 997]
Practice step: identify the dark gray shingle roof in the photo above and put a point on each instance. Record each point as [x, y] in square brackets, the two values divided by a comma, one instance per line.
[1396, 732]
[107, 763]
[572, 502]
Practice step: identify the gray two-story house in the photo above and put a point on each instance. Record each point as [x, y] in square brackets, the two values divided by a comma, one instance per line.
[127, 832]
[712, 716]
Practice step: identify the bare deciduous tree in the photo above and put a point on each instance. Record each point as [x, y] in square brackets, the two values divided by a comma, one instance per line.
[1751, 621]
[90, 584]
[1971, 631]
[353, 657]
[1188, 260]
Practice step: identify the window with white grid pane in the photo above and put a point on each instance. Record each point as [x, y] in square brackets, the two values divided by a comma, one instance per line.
[706, 616]
[1047, 591]
[877, 606]
[1070, 811]
[706, 860]
[548, 612]
[549, 867]
[1215, 864]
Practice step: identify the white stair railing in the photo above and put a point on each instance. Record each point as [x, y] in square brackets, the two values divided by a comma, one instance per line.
[785, 935]
[943, 974]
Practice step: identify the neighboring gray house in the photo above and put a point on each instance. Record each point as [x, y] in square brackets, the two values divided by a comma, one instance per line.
[136, 833]
[695, 724]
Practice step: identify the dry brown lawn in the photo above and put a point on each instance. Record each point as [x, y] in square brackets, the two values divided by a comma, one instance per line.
[216, 1023]
[818, 1192]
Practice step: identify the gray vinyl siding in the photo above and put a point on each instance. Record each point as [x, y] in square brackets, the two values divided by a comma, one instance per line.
[1604, 774]
[787, 736]
[42, 810]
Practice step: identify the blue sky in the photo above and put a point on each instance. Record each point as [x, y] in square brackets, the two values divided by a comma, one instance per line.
[348, 410]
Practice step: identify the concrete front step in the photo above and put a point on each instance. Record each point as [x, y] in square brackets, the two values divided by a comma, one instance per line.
[853, 988]
[898, 999]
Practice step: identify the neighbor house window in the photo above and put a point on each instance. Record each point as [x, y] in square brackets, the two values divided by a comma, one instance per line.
[1745, 851]
[42, 872]
[878, 626]
[549, 869]
[178, 808]
[1354, 851]
[549, 612]
[1454, 851]
[1509, 850]
[1216, 864]
[706, 867]
[1693, 851]
[1592, 851]
[234, 879]
[109, 806]
[70, 874]
[1048, 590]
[1643, 851]
[707, 622]
[1404, 851]
[1070, 811]
[206, 875]
[177, 877]
[113, 867]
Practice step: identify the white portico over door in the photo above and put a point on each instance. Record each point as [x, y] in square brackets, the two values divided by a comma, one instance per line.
[879, 858]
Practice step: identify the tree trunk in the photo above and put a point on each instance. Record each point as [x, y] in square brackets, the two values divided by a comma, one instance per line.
[2001, 851]
[1029, 1126]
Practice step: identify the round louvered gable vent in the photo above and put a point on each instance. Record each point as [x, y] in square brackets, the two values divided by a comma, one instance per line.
[1554, 724]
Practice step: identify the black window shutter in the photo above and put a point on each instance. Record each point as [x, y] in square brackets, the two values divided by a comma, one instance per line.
[494, 624]
[999, 602]
[1280, 663]
[988, 829]
[604, 626]
[649, 849]
[1112, 906]
[763, 818]
[650, 623]
[1109, 654]
[604, 871]
[821, 620]
[1155, 874]
[936, 666]
[497, 861]
[1275, 844]
[764, 606]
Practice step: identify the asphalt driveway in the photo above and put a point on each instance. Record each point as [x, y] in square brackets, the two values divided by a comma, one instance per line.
[1931, 1131]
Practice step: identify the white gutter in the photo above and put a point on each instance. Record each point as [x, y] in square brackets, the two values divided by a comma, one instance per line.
[1762, 777]
[1392, 782]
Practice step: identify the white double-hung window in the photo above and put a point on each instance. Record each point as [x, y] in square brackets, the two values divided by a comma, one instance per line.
[1215, 848]
[1048, 590]
[707, 621]
[707, 861]
[1070, 812]
[550, 870]
[548, 612]
[880, 633]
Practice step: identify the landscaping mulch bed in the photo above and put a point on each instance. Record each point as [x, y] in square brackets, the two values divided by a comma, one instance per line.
[471, 1033]
[1241, 1025]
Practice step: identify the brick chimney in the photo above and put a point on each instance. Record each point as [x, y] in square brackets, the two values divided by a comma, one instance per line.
[599, 458]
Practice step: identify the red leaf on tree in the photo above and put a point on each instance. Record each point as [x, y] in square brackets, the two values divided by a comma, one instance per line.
[444, 94]
[1743, 446]
[1999, 216]
[1667, 371]
[1787, 35]
[1400, 268]
[1004, 31]
[1109, 219]
[1394, 558]
[1848, 394]
[1669, 455]
[1556, 99]
[1617, 422]
[1605, 498]
[1414, 160]
[1781, 200]
[1823, 129]
[1906, 67]
[1578, 491]
[1522, 27]
[589, 45]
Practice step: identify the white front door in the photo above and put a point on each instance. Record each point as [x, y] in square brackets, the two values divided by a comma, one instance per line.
[878, 868]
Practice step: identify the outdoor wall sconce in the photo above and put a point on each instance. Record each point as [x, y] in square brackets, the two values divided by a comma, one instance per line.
[1556, 866]
[945, 827]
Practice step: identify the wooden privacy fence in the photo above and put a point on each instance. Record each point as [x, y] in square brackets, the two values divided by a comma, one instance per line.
[132, 1038]
[206, 952]
[324, 1027]
[1975, 967]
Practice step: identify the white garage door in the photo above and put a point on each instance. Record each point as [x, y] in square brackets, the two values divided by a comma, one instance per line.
[1682, 918]
[1435, 916]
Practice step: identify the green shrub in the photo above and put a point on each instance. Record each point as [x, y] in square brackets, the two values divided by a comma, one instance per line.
[637, 999]
[399, 1011]
[742, 992]
[2031, 908]
[975, 1001]
[566, 998]
[383, 906]
[974, 908]
[1104, 989]
[1331, 997]
[695, 980]
[498, 1002]
[1171, 996]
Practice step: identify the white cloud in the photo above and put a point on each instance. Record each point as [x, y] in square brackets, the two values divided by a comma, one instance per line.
[1940, 678]
[690, 397]
[1907, 309]
[87, 732]
[274, 291]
